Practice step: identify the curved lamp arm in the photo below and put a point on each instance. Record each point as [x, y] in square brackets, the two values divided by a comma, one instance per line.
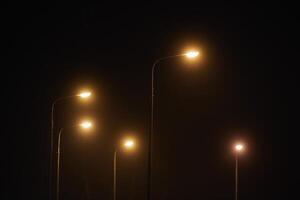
[152, 116]
[51, 138]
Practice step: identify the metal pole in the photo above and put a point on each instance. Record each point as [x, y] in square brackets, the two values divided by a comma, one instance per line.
[51, 141]
[58, 165]
[115, 175]
[150, 135]
[152, 123]
[236, 176]
[151, 131]
[51, 150]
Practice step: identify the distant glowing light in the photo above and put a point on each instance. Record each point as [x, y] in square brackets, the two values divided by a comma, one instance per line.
[86, 125]
[85, 94]
[239, 147]
[192, 54]
[129, 144]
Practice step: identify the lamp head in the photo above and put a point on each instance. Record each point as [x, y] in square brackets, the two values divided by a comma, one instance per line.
[85, 94]
[191, 54]
[239, 147]
[129, 144]
[86, 125]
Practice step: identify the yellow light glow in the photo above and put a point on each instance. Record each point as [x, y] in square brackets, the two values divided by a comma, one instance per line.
[85, 94]
[129, 144]
[86, 124]
[191, 54]
[239, 147]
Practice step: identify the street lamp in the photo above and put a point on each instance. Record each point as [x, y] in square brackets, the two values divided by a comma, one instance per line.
[238, 148]
[84, 125]
[192, 54]
[84, 95]
[128, 144]
[189, 55]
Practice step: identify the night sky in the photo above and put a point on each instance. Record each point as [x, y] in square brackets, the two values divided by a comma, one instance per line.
[233, 92]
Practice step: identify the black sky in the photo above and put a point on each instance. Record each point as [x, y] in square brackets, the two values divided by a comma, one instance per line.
[235, 92]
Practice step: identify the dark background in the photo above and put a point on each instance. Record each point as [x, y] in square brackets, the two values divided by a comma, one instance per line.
[236, 91]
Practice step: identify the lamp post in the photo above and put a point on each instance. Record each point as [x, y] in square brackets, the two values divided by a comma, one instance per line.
[84, 95]
[128, 144]
[238, 149]
[190, 54]
[83, 125]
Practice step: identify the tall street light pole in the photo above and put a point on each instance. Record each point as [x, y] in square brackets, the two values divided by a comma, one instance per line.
[128, 144]
[238, 149]
[83, 125]
[115, 175]
[81, 95]
[236, 176]
[58, 164]
[190, 54]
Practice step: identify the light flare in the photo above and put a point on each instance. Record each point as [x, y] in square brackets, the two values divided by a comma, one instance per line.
[86, 124]
[191, 54]
[84, 94]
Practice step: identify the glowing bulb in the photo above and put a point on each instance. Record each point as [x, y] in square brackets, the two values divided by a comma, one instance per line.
[192, 54]
[239, 147]
[129, 144]
[85, 94]
[86, 125]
